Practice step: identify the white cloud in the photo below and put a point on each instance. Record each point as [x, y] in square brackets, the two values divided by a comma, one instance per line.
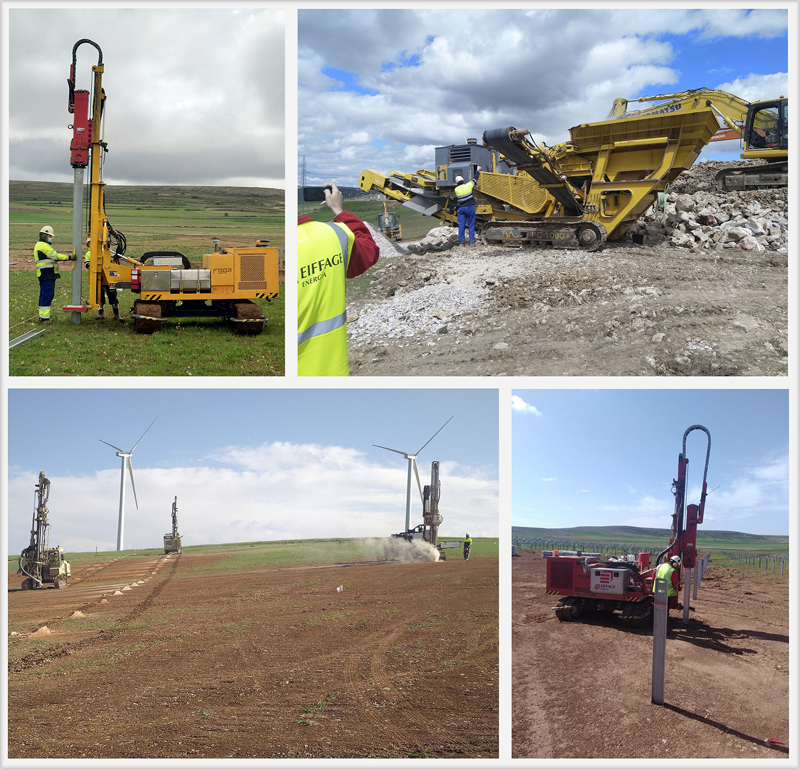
[519, 405]
[549, 480]
[544, 70]
[177, 112]
[272, 491]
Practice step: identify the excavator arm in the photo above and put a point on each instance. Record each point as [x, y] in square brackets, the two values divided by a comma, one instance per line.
[731, 109]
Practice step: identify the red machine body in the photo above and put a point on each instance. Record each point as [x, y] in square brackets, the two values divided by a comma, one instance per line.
[81, 130]
[587, 583]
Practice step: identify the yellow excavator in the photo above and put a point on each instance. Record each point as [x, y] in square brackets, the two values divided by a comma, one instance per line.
[166, 282]
[762, 128]
[576, 194]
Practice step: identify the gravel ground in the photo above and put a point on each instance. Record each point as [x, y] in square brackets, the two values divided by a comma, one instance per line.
[716, 306]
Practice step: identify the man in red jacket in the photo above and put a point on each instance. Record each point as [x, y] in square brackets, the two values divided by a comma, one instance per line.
[327, 254]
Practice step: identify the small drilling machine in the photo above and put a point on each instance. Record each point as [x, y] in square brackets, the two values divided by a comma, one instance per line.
[40, 563]
[172, 540]
[586, 583]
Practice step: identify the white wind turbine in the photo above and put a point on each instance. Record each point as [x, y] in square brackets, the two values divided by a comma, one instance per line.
[412, 462]
[125, 455]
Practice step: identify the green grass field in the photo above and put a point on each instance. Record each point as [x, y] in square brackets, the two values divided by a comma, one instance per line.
[414, 226]
[245, 555]
[184, 219]
[732, 541]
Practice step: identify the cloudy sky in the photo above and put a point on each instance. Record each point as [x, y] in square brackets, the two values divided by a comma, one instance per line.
[195, 96]
[380, 89]
[249, 465]
[608, 457]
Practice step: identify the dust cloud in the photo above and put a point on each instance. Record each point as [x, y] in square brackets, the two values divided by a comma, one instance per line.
[399, 549]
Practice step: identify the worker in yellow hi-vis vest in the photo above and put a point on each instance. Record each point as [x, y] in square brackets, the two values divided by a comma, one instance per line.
[327, 254]
[47, 259]
[669, 571]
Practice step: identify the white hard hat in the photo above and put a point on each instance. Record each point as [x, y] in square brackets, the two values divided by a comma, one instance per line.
[459, 179]
[48, 230]
[676, 560]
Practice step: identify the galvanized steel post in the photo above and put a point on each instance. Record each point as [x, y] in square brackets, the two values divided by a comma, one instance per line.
[660, 614]
[77, 241]
[687, 595]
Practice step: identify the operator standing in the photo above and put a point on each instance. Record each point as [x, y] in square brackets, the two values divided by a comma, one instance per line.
[327, 253]
[669, 571]
[467, 546]
[105, 290]
[465, 201]
[46, 258]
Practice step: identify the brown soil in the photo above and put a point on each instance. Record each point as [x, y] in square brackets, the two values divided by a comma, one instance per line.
[626, 310]
[582, 689]
[273, 662]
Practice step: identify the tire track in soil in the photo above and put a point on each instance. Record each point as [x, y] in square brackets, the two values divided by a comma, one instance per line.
[373, 649]
[39, 659]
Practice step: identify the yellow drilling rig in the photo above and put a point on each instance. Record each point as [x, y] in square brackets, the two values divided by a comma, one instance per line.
[167, 284]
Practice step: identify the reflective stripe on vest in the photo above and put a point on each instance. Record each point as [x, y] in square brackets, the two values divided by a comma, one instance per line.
[46, 257]
[664, 571]
[464, 194]
[323, 255]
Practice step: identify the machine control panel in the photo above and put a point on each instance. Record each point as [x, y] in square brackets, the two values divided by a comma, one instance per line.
[609, 581]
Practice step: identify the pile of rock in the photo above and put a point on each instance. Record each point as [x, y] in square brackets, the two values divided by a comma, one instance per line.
[438, 239]
[700, 217]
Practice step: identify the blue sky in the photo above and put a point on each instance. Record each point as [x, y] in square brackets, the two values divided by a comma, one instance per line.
[380, 89]
[249, 464]
[608, 457]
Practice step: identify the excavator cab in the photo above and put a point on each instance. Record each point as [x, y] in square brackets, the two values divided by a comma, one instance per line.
[766, 130]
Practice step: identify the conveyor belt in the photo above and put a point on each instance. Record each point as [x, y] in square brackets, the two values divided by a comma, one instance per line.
[500, 140]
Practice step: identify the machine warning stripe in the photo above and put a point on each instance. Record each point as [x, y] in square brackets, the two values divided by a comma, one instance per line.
[151, 297]
[553, 592]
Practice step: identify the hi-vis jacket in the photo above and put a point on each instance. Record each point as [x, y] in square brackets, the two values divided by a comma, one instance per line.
[666, 571]
[464, 194]
[323, 254]
[46, 258]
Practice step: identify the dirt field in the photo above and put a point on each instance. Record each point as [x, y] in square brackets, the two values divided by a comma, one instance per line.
[627, 310]
[706, 294]
[273, 662]
[582, 689]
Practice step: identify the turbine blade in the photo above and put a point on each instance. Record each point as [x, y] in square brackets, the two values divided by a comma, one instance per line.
[130, 471]
[388, 449]
[419, 485]
[111, 444]
[434, 435]
[143, 434]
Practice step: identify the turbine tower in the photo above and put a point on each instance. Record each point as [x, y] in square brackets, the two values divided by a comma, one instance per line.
[412, 462]
[125, 455]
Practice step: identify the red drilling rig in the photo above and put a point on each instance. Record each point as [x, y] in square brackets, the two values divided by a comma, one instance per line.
[585, 583]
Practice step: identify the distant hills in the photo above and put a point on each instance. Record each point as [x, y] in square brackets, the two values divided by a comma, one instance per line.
[640, 534]
[234, 198]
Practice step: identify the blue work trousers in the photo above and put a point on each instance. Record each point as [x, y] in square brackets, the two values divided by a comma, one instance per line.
[466, 215]
[47, 290]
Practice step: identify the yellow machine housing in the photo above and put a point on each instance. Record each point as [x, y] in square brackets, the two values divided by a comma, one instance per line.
[225, 286]
[761, 127]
